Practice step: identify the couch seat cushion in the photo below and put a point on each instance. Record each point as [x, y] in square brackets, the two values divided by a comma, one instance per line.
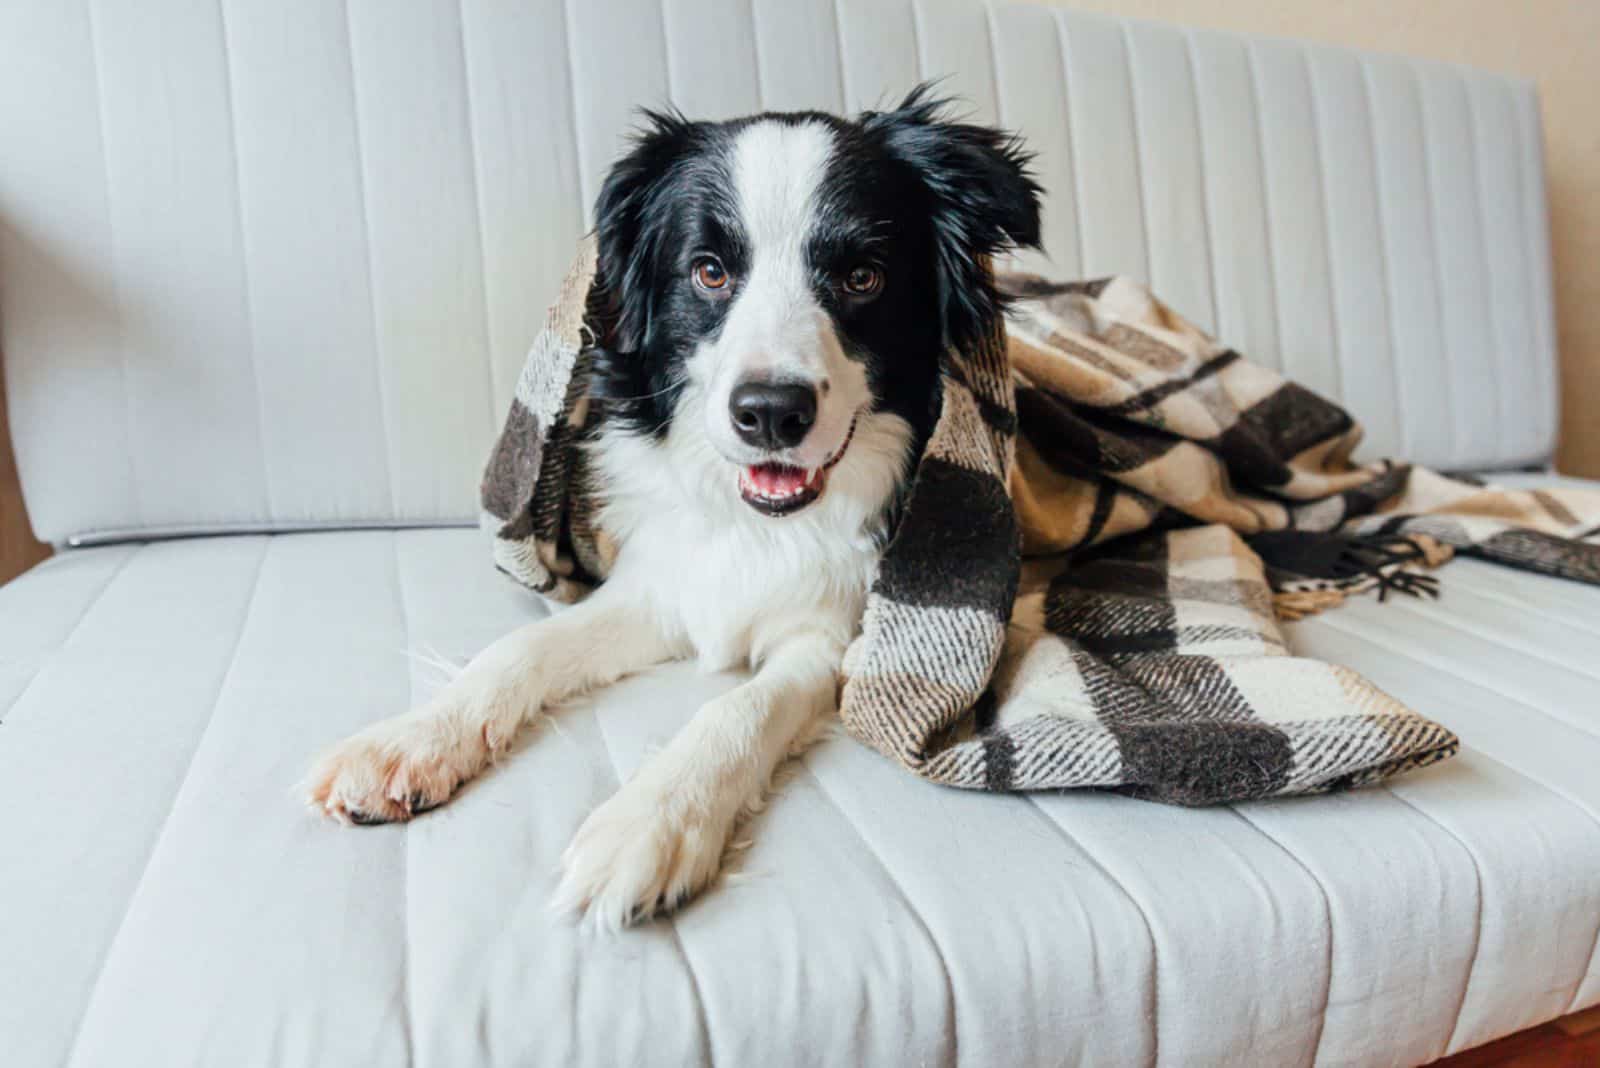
[166, 898]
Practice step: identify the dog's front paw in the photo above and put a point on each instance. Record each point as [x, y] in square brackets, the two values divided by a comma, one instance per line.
[393, 770]
[647, 850]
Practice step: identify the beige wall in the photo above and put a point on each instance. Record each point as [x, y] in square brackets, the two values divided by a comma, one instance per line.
[1554, 42]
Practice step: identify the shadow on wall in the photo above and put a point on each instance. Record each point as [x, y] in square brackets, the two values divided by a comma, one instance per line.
[19, 549]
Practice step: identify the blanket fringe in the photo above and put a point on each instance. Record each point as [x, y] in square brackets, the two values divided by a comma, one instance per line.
[1386, 564]
[1435, 553]
[1292, 605]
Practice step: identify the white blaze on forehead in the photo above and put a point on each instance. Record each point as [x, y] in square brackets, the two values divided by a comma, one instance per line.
[776, 329]
[772, 328]
[778, 170]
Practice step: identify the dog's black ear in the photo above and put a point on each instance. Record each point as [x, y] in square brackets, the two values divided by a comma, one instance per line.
[627, 215]
[984, 199]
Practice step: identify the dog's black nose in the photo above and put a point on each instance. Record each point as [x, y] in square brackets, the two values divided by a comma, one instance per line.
[770, 415]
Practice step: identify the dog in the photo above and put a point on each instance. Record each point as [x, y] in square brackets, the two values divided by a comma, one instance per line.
[778, 294]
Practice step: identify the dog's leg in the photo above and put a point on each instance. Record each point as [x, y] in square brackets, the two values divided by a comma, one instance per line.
[660, 838]
[400, 767]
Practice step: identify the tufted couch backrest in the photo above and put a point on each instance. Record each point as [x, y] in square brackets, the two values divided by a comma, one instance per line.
[269, 266]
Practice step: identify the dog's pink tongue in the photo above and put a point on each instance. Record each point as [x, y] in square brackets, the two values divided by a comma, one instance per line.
[777, 480]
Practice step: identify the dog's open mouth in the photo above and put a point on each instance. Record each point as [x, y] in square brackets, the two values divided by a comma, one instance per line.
[778, 489]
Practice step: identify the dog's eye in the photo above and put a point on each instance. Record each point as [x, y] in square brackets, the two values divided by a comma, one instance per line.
[708, 274]
[863, 280]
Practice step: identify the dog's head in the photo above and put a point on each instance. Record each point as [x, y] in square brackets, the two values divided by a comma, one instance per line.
[779, 290]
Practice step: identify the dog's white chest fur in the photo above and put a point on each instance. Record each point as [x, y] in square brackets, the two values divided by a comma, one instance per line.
[720, 578]
[733, 592]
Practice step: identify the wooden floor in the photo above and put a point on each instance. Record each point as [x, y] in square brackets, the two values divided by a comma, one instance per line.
[1571, 1042]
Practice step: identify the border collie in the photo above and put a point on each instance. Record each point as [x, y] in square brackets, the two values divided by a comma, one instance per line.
[783, 290]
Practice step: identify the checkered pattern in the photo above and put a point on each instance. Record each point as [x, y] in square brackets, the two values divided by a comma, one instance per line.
[1084, 586]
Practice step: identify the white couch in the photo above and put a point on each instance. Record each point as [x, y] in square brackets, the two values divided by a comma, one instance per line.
[267, 272]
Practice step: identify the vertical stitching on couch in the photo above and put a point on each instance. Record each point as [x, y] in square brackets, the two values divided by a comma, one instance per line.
[408, 1016]
[474, 172]
[1419, 654]
[1479, 206]
[994, 63]
[1513, 769]
[838, 47]
[1385, 271]
[672, 920]
[1124, 37]
[111, 231]
[953, 1050]
[1058, 18]
[372, 274]
[568, 62]
[1327, 920]
[88, 609]
[244, 257]
[166, 821]
[1477, 928]
[755, 56]
[1279, 357]
[1533, 222]
[1430, 215]
[1205, 182]
[666, 52]
[1144, 917]
[1326, 217]
[917, 43]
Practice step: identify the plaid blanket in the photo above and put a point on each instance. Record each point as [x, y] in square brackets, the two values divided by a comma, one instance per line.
[1085, 579]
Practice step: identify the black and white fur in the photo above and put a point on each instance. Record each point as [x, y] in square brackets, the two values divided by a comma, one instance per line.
[848, 255]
